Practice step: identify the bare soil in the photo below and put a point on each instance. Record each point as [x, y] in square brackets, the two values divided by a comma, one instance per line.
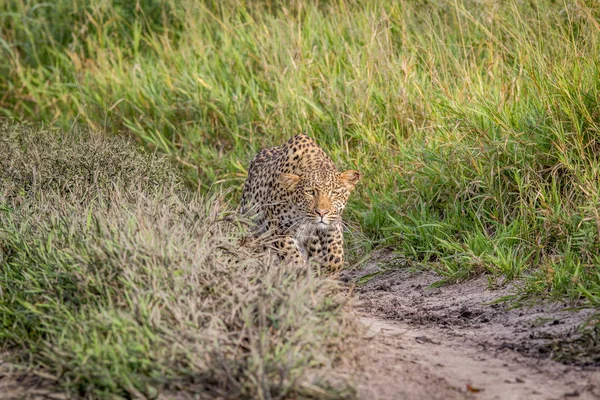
[455, 342]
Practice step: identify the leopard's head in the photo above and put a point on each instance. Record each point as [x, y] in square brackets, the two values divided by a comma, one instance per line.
[321, 195]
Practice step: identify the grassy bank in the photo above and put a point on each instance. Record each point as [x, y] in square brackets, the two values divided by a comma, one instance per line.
[475, 123]
[116, 282]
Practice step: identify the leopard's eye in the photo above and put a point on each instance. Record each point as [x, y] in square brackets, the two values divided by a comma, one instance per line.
[311, 192]
[338, 192]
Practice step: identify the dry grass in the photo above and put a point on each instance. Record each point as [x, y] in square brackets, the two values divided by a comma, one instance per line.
[113, 283]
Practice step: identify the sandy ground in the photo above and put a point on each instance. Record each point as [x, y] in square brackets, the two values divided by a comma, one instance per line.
[453, 342]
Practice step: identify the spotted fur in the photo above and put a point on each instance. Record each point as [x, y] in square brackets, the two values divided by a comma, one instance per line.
[296, 196]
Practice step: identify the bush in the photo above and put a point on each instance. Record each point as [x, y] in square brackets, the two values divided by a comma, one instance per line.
[117, 281]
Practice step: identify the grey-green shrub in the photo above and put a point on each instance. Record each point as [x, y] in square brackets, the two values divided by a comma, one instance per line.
[117, 281]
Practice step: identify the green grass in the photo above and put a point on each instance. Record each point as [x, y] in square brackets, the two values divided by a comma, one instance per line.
[475, 123]
[116, 282]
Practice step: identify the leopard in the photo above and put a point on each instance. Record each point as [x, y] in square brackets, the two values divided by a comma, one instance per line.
[295, 196]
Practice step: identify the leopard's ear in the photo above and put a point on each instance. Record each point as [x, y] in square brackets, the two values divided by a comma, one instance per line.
[350, 178]
[289, 181]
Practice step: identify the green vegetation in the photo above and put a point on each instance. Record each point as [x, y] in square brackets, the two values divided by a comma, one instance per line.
[476, 124]
[114, 283]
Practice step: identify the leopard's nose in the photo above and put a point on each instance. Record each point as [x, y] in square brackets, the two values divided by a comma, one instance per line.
[321, 213]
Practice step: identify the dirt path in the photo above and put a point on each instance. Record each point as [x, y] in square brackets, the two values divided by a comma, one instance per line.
[453, 343]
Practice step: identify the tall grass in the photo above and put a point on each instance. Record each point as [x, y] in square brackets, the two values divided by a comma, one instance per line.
[475, 123]
[117, 282]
